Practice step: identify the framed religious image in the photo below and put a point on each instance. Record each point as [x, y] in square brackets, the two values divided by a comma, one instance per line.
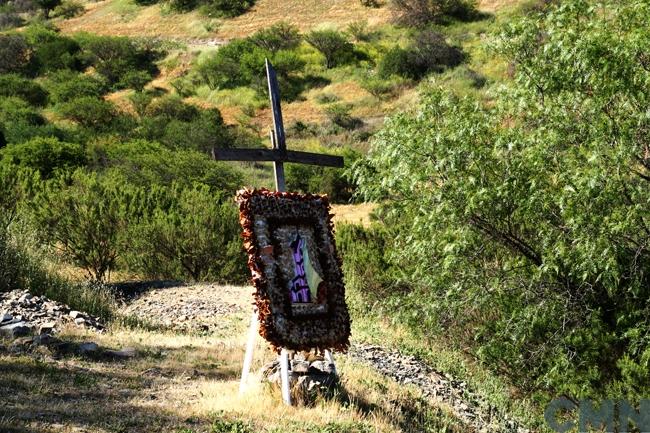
[296, 272]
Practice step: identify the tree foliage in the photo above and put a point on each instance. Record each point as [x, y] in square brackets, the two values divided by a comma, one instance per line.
[333, 45]
[526, 220]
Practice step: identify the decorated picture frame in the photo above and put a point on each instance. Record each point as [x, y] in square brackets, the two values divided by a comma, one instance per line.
[296, 272]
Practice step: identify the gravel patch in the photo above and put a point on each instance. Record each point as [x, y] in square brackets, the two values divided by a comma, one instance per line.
[408, 370]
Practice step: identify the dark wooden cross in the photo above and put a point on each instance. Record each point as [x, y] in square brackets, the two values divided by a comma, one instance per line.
[279, 154]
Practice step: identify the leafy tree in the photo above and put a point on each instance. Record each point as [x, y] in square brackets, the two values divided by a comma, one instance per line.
[15, 54]
[83, 216]
[526, 220]
[331, 44]
[280, 36]
[45, 155]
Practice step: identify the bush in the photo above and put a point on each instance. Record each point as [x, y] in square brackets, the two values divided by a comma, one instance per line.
[225, 8]
[428, 53]
[144, 164]
[83, 215]
[120, 60]
[195, 236]
[15, 54]
[280, 36]
[17, 111]
[47, 6]
[333, 45]
[23, 88]
[241, 63]
[420, 13]
[69, 9]
[335, 182]
[51, 51]
[339, 115]
[89, 112]
[182, 6]
[45, 155]
[66, 85]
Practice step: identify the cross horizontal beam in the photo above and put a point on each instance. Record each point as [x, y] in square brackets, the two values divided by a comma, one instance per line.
[277, 155]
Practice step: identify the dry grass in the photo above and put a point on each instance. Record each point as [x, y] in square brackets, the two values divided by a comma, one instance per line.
[353, 213]
[184, 383]
[106, 18]
[496, 5]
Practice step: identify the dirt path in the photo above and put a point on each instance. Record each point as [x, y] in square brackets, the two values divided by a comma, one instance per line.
[200, 307]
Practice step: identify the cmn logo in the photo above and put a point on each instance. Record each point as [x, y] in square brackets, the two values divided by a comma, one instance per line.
[609, 416]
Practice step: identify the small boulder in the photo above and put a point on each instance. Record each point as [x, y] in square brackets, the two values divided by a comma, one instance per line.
[15, 330]
[75, 314]
[127, 352]
[79, 321]
[46, 328]
[6, 317]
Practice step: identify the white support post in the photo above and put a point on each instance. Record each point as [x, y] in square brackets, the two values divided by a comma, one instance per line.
[248, 357]
[330, 359]
[284, 375]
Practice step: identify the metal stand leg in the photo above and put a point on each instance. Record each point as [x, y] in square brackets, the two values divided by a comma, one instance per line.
[248, 357]
[284, 375]
[330, 359]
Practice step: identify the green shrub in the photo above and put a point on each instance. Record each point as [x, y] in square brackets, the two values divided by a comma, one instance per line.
[45, 155]
[172, 108]
[182, 6]
[9, 19]
[15, 54]
[335, 182]
[144, 164]
[428, 53]
[280, 36]
[339, 115]
[66, 85]
[382, 87]
[89, 112]
[332, 45]
[225, 8]
[52, 51]
[23, 88]
[16, 110]
[83, 215]
[241, 63]
[195, 236]
[120, 60]
[69, 9]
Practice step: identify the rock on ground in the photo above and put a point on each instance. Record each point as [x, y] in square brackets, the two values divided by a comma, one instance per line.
[200, 307]
[22, 313]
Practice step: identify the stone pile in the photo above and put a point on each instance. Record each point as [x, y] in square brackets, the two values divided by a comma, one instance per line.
[309, 377]
[466, 405]
[22, 313]
[201, 308]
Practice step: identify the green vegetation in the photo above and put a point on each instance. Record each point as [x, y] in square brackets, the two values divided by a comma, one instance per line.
[517, 226]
